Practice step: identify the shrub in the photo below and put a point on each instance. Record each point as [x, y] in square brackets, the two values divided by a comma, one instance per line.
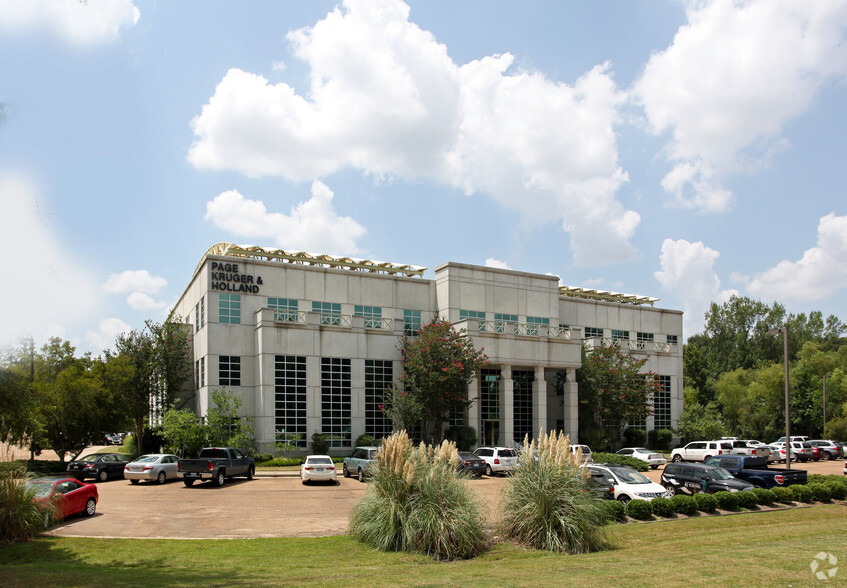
[820, 492]
[663, 507]
[726, 500]
[545, 502]
[636, 464]
[263, 457]
[706, 502]
[616, 511]
[746, 499]
[801, 493]
[417, 503]
[660, 439]
[463, 436]
[634, 437]
[783, 494]
[764, 496]
[837, 490]
[639, 509]
[365, 440]
[320, 443]
[685, 505]
[21, 519]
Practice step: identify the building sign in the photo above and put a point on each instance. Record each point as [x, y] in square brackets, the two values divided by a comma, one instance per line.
[227, 278]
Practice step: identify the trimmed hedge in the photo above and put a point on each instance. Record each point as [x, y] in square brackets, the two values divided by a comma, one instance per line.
[706, 502]
[820, 492]
[726, 500]
[764, 496]
[663, 507]
[639, 509]
[801, 493]
[746, 499]
[685, 505]
[783, 494]
[837, 490]
[636, 464]
[616, 510]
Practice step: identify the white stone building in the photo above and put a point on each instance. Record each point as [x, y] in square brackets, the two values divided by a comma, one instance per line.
[310, 343]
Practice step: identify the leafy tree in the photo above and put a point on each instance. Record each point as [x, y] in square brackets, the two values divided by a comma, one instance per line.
[172, 359]
[438, 365]
[17, 406]
[137, 347]
[224, 426]
[612, 386]
[182, 431]
[700, 422]
[403, 409]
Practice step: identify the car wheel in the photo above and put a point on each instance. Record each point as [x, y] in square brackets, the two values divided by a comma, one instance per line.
[705, 459]
[488, 471]
[250, 471]
[220, 478]
[304, 482]
[623, 499]
[345, 471]
[361, 475]
[671, 489]
[103, 475]
[827, 456]
[90, 507]
[162, 477]
[677, 458]
[188, 481]
[133, 482]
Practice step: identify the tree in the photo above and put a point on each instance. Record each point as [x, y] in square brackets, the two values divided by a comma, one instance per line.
[612, 385]
[438, 365]
[183, 432]
[700, 422]
[17, 407]
[224, 426]
[137, 348]
[172, 360]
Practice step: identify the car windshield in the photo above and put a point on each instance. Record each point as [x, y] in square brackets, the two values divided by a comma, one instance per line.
[41, 488]
[92, 457]
[147, 458]
[319, 460]
[630, 476]
[720, 474]
[641, 450]
[372, 453]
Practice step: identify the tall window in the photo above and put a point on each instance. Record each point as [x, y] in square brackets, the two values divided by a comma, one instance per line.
[372, 314]
[500, 320]
[662, 404]
[674, 339]
[489, 406]
[330, 312]
[522, 398]
[229, 308]
[286, 309]
[593, 332]
[229, 370]
[202, 311]
[200, 372]
[335, 400]
[411, 322]
[290, 399]
[534, 322]
[378, 377]
[473, 314]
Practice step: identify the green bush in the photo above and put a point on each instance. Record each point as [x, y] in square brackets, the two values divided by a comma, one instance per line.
[663, 507]
[837, 490]
[801, 493]
[747, 499]
[463, 436]
[616, 511]
[726, 500]
[764, 496]
[614, 458]
[684, 505]
[37, 467]
[21, 519]
[639, 509]
[706, 502]
[545, 505]
[365, 440]
[260, 457]
[820, 492]
[660, 439]
[783, 494]
[634, 437]
[278, 462]
[417, 503]
[320, 444]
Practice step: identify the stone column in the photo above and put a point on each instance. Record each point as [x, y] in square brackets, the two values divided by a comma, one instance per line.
[474, 419]
[539, 402]
[572, 406]
[507, 407]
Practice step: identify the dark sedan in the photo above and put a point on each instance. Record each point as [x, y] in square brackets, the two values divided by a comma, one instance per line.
[100, 466]
[471, 464]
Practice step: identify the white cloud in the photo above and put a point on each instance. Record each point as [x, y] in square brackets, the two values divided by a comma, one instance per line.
[820, 272]
[46, 287]
[104, 337]
[496, 263]
[313, 225]
[385, 98]
[730, 81]
[134, 281]
[141, 301]
[688, 272]
[81, 23]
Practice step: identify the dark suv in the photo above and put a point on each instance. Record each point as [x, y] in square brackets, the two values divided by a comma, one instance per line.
[692, 478]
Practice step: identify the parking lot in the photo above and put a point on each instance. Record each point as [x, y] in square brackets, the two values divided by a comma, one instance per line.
[267, 506]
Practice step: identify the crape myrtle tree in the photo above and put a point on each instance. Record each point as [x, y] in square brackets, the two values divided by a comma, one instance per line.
[615, 390]
[438, 365]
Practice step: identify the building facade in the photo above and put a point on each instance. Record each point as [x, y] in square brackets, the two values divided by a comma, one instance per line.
[310, 343]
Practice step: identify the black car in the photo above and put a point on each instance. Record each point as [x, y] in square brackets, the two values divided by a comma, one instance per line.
[471, 464]
[693, 478]
[100, 466]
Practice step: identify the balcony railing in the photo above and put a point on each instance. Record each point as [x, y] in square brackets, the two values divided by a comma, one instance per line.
[524, 329]
[629, 344]
[290, 316]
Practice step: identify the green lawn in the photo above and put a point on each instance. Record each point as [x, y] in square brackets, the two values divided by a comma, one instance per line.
[754, 549]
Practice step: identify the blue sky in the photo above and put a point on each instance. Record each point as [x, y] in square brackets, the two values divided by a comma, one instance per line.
[680, 150]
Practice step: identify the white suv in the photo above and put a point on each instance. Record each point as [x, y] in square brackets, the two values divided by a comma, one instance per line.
[629, 484]
[701, 450]
[497, 459]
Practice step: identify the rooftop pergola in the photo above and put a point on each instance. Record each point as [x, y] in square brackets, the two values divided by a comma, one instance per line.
[634, 299]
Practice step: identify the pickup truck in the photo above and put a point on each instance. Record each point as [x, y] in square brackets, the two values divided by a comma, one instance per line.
[746, 448]
[216, 464]
[756, 471]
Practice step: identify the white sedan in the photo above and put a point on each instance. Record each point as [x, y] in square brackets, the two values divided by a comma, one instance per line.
[160, 467]
[653, 458]
[318, 468]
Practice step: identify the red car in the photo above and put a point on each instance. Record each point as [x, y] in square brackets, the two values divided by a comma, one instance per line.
[69, 494]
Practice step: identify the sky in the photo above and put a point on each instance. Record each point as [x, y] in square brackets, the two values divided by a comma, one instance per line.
[682, 150]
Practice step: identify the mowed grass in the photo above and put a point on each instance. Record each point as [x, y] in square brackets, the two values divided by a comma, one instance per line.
[753, 549]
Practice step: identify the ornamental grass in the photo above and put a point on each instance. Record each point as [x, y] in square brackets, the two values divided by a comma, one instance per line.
[546, 503]
[21, 518]
[417, 502]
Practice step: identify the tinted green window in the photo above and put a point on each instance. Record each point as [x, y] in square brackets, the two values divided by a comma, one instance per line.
[229, 308]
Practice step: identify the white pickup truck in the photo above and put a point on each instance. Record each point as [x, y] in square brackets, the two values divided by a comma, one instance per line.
[750, 448]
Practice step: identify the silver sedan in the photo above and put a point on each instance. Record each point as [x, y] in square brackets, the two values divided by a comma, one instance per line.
[653, 458]
[160, 467]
